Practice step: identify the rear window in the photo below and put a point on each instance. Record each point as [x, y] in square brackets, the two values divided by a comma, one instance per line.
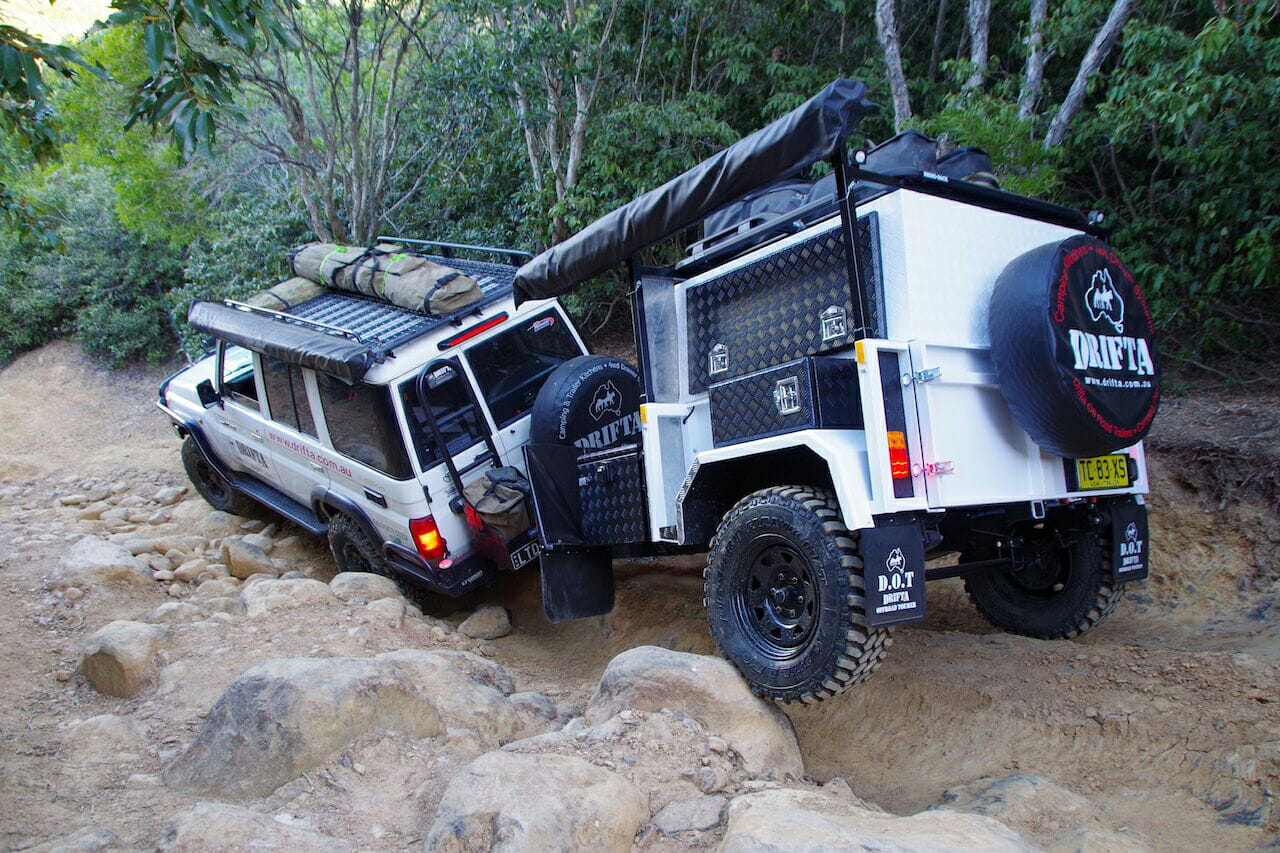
[454, 412]
[362, 425]
[511, 367]
[287, 395]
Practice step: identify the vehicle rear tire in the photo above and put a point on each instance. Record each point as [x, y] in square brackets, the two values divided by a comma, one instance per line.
[785, 596]
[1070, 591]
[211, 485]
[354, 551]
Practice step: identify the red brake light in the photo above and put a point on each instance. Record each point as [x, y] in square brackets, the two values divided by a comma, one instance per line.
[899, 462]
[477, 329]
[427, 538]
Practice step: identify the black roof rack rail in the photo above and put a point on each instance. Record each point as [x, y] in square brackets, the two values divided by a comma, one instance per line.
[315, 325]
[516, 256]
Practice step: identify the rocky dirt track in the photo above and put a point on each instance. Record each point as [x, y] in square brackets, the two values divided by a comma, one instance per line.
[266, 704]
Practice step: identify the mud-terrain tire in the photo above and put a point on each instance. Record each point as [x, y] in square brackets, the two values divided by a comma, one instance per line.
[1073, 348]
[785, 596]
[354, 551]
[1052, 602]
[592, 401]
[212, 486]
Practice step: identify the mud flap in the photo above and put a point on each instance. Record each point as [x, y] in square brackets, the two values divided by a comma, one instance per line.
[1129, 543]
[576, 583]
[893, 568]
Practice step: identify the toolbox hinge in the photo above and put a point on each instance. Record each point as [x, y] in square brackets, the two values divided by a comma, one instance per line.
[927, 375]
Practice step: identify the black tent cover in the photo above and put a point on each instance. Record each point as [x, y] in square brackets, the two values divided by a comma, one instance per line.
[811, 132]
[337, 356]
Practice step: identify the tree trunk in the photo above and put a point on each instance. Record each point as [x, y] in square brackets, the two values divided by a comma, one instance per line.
[939, 27]
[978, 19]
[1034, 74]
[887, 33]
[1103, 41]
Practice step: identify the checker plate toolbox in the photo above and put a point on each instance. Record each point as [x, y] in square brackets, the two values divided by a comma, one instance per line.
[794, 302]
[808, 393]
[612, 496]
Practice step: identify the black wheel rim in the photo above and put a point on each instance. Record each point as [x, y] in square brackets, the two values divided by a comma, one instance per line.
[1042, 575]
[776, 603]
[355, 560]
[218, 488]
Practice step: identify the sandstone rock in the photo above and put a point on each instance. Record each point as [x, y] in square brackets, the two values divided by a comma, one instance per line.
[710, 690]
[140, 546]
[268, 596]
[1025, 799]
[93, 561]
[512, 801]
[253, 525]
[209, 827]
[1100, 841]
[480, 669]
[284, 717]
[693, 813]
[93, 511]
[170, 495]
[386, 611]
[178, 589]
[104, 738]
[487, 623]
[230, 604]
[176, 611]
[190, 570]
[459, 692]
[534, 704]
[117, 658]
[259, 540]
[244, 559]
[72, 500]
[781, 819]
[91, 839]
[162, 576]
[363, 587]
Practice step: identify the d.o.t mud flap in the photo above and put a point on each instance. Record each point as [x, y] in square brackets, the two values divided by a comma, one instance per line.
[893, 569]
[1129, 542]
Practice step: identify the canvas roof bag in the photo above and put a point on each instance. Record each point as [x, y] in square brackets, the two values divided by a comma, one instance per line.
[286, 294]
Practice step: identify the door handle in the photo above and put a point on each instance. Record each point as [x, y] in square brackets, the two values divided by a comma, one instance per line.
[256, 436]
[227, 424]
[315, 466]
[375, 498]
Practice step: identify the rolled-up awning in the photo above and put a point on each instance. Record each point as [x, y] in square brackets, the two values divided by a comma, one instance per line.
[278, 338]
[811, 132]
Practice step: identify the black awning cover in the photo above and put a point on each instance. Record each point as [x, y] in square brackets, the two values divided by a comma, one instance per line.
[337, 356]
[811, 132]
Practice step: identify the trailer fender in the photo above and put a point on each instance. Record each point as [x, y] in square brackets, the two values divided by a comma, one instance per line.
[719, 478]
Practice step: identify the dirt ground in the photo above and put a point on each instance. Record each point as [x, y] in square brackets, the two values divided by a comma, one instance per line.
[1167, 717]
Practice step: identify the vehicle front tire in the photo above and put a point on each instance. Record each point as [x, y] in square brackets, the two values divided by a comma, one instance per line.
[1068, 592]
[211, 485]
[785, 596]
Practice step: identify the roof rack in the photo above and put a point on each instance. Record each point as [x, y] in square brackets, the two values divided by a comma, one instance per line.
[299, 320]
[516, 256]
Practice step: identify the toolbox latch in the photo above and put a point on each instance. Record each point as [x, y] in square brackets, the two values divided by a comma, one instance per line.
[927, 375]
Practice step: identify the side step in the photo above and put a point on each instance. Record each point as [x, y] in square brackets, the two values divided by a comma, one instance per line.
[278, 501]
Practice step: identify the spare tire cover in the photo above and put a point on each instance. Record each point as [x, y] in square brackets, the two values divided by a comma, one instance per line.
[592, 401]
[1074, 350]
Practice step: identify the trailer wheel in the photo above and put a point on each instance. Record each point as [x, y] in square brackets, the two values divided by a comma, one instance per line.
[1058, 595]
[211, 485]
[785, 596]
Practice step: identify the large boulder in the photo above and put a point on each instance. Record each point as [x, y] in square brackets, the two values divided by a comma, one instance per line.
[362, 587]
[1027, 800]
[269, 595]
[92, 561]
[284, 717]
[783, 819]
[460, 692]
[209, 827]
[245, 559]
[488, 623]
[513, 801]
[117, 658]
[710, 690]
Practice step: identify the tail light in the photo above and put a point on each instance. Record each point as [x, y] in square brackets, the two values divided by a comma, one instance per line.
[427, 538]
[899, 461]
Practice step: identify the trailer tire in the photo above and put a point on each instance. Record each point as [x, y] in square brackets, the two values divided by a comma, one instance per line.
[785, 596]
[212, 486]
[1034, 606]
[1073, 348]
[592, 401]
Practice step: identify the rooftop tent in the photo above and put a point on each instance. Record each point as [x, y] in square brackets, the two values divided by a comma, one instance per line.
[811, 132]
[328, 353]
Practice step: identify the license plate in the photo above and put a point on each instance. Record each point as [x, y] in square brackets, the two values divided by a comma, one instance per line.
[1100, 472]
[524, 555]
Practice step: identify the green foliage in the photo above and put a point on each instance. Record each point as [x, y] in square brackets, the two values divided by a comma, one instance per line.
[1025, 166]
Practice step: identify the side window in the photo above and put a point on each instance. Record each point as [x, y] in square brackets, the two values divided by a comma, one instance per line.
[455, 414]
[287, 395]
[237, 376]
[362, 424]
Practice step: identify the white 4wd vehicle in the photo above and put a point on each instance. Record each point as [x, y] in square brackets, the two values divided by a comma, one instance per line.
[841, 377]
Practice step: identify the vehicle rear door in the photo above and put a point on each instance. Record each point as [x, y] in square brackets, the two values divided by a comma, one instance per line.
[293, 438]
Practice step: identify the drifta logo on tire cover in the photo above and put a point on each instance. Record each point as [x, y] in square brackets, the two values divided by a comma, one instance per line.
[1103, 300]
[607, 400]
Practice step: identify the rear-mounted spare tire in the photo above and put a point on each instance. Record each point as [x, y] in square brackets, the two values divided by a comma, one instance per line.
[1074, 349]
[592, 401]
